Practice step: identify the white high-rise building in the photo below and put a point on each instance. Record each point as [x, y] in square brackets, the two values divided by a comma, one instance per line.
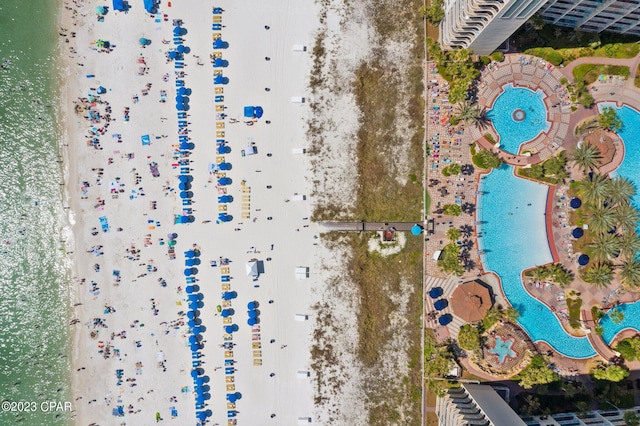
[482, 25]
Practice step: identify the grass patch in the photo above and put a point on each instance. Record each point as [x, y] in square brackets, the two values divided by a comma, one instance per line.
[589, 73]
[573, 305]
[637, 79]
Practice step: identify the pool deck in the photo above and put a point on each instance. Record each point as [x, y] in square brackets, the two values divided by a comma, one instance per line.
[452, 142]
[537, 75]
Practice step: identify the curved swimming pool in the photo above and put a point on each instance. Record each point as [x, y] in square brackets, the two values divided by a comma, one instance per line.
[630, 135]
[513, 237]
[518, 115]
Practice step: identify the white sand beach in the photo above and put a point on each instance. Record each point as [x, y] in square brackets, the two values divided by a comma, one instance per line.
[131, 345]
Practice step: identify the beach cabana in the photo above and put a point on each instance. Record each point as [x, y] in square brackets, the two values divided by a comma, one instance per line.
[150, 6]
[120, 5]
[471, 301]
[252, 268]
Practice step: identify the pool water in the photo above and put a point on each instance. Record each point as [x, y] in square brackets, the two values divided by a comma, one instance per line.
[630, 135]
[503, 349]
[518, 115]
[513, 237]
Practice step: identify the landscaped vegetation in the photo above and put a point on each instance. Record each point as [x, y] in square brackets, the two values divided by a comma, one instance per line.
[554, 272]
[449, 259]
[434, 13]
[485, 159]
[552, 170]
[537, 372]
[561, 45]
[611, 373]
[589, 73]
[457, 67]
[629, 348]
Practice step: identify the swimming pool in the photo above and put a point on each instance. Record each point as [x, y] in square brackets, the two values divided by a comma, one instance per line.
[518, 115]
[513, 237]
[630, 135]
[502, 349]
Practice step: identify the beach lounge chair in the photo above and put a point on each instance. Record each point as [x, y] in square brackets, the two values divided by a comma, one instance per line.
[246, 190]
[217, 19]
[246, 206]
[222, 208]
[219, 108]
[220, 125]
[219, 90]
[229, 370]
[229, 379]
[226, 304]
[246, 198]
[225, 278]
[216, 27]
[227, 321]
[256, 345]
[230, 405]
[224, 270]
[228, 354]
[257, 354]
[257, 362]
[219, 159]
[220, 134]
[255, 337]
[219, 98]
[226, 287]
[216, 36]
[255, 329]
[246, 215]
[227, 337]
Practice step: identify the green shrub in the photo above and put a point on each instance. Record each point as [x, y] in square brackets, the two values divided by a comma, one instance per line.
[497, 56]
[469, 338]
[452, 209]
[490, 138]
[546, 53]
[485, 60]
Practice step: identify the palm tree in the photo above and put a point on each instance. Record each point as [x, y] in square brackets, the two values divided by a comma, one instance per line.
[599, 275]
[510, 314]
[626, 217]
[620, 190]
[469, 113]
[629, 244]
[593, 188]
[604, 247]
[630, 274]
[602, 219]
[586, 156]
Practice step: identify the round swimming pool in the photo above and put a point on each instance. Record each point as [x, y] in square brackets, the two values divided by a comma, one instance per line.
[518, 115]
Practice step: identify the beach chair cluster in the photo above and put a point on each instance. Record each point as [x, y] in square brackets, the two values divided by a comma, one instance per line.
[253, 321]
[195, 303]
[246, 200]
[185, 146]
[227, 312]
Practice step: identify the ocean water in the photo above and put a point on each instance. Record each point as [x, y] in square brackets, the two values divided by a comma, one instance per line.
[34, 291]
[514, 238]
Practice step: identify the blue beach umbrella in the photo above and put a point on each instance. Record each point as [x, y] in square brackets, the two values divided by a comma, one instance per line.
[189, 289]
[195, 347]
[173, 54]
[185, 178]
[575, 203]
[228, 329]
[184, 186]
[445, 319]
[577, 232]
[435, 292]
[441, 304]
[189, 254]
[583, 260]
[194, 271]
[189, 262]
[252, 321]
[180, 48]
[231, 397]
[253, 314]
[198, 329]
[258, 111]
[251, 305]
[187, 272]
[193, 314]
